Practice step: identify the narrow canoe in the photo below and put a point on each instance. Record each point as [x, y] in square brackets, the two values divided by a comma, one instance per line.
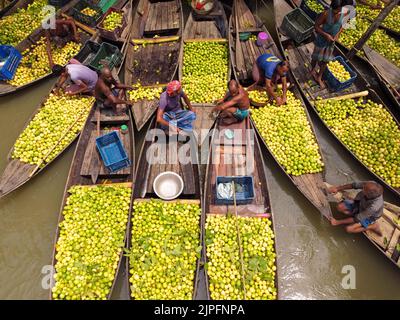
[310, 185]
[8, 8]
[205, 28]
[148, 168]
[240, 156]
[156, 63]
[300, 62]
[17, 172]
[389, 223]
[87, 163]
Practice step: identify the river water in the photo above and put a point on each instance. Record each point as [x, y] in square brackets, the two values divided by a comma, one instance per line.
[311, 254]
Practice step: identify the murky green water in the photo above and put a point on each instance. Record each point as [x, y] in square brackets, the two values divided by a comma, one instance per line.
[311, 253]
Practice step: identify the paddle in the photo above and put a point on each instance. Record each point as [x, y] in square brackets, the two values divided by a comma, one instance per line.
[239, 240]
[58, 142]
[80, 25]
[95, 174]
[238, 48]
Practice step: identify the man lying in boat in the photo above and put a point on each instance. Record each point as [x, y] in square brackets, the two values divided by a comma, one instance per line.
[108, 92]
[364, 210]
[234, 107]
[269, 70]
[170, 114]
[64, 32]
[83, 78]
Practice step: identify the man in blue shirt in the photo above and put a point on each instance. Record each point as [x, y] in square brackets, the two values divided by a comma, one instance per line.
[269, 69]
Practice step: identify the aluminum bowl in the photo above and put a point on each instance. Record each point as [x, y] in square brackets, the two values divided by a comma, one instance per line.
[168, 185]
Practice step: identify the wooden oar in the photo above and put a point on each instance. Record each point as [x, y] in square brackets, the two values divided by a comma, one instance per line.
[346, 96]
[239, 240]
[95, 174]
[81, 25]
[154, 40]
[58, 142]
[238, 48]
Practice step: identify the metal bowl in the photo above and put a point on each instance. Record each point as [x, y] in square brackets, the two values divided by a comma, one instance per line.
[168, 185]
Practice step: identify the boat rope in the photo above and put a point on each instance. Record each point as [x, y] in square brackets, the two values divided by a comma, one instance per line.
[239, 240]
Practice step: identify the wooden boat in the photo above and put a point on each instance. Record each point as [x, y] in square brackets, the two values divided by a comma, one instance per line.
[248, 23]
[310, 185]
[86, 163]
[372, 61]
[148, 168]
[5, 87]
[389, 242]
[156, 63]
[210, 27]
[300, 61]
[8, 8]
[17, 173]
[240, 156]
[127, 9]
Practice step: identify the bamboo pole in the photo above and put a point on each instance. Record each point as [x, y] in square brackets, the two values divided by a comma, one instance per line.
[220, 40]
[346, 96]
[382, 15]
[154, 40]
[80, 25]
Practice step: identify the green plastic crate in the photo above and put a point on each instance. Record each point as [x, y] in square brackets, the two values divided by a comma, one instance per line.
[109, 53]
[106, 4]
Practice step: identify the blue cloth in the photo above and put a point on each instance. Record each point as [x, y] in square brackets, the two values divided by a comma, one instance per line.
[241, 114]
[330, 27]
[350, 205]
[183, 119]
[267, 63]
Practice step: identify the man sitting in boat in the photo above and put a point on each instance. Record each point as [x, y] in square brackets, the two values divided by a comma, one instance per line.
[234, 107]
[328, 27]
[83, 78]
[170, 114]
[364, 210]
[64, 32]
[108, 92]
[269, 69]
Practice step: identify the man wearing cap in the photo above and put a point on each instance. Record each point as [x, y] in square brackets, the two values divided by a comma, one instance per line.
[269, 69]
[170, 114]
[364, 210]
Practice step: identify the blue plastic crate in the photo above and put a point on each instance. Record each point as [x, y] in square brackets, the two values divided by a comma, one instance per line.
[246, 196]
[112, 151]
[9, 61]
[334, 83]
[312, 14]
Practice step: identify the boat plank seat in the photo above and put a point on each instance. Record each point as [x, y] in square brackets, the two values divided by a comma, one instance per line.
[92, 158]
[108, 116]
[393, 242]
[204, 29]
[163, 16]
[169, 162]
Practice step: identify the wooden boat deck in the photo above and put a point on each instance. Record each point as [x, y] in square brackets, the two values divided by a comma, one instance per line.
[153, 64]
[237, 157]
[249, 49]
[205, 27]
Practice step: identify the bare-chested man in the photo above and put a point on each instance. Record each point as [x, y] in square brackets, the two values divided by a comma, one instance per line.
[235, 105]
[109, 92]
